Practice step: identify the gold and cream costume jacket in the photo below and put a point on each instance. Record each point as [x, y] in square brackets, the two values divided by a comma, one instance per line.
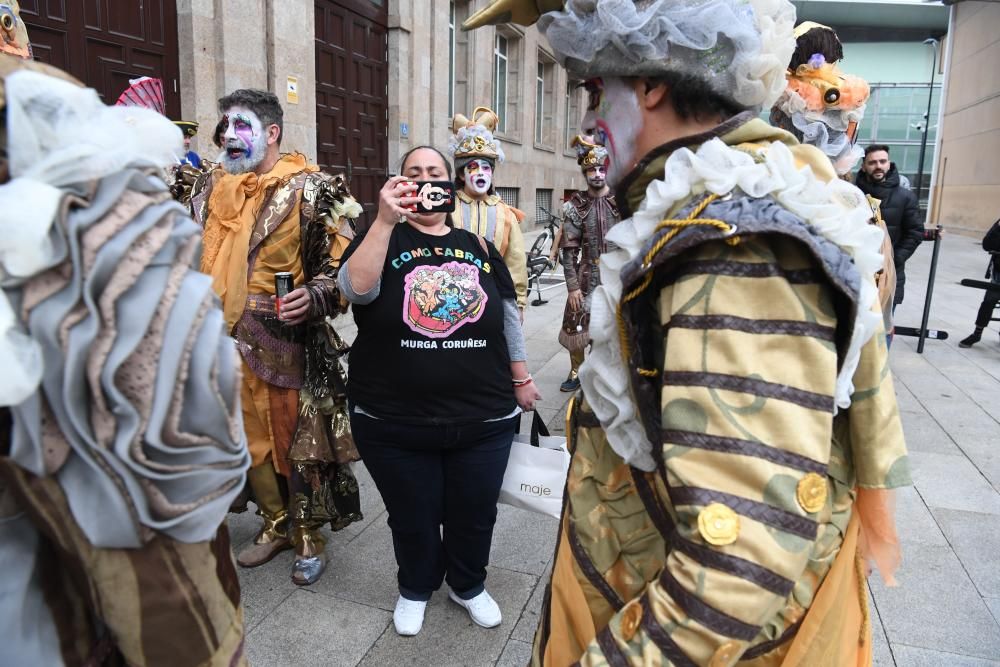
[500, 224]
[736, 403]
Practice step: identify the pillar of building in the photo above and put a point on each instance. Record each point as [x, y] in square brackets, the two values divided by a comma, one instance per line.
[235, 44]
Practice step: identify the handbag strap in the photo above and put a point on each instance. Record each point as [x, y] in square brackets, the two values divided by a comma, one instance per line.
[538, 428]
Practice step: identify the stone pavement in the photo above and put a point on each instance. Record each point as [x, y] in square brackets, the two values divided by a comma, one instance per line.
[945, 611]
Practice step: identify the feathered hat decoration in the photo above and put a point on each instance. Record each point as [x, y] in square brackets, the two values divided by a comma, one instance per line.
[473, 138]
[589, 153]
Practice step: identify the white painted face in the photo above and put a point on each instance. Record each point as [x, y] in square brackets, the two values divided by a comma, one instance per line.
[478, 177]
[244, 141]
[613, 116]
[596, 177]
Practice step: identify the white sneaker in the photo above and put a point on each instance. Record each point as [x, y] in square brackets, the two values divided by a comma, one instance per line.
[483, 609]
[408, 616]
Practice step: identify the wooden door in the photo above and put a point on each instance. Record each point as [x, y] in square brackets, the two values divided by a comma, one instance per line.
[104, 43]
[352, 98]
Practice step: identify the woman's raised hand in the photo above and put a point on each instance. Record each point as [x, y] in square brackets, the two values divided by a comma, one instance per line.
[393, 200]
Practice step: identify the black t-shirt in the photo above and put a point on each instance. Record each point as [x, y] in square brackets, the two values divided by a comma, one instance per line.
[430, 348]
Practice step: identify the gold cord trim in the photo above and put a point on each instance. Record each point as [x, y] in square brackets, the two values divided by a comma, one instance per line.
[675, 226]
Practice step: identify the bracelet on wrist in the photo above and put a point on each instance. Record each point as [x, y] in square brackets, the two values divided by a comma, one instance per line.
[522, 381]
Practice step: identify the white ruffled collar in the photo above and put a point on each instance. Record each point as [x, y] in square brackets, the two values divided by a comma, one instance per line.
[836, 209]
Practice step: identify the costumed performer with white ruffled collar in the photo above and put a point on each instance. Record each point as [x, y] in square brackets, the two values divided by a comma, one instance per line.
[737, 433]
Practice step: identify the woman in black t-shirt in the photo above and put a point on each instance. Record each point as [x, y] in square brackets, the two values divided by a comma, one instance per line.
[437, 379]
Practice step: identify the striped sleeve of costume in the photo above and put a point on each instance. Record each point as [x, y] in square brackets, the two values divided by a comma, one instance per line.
[515, 257]
[747, 416]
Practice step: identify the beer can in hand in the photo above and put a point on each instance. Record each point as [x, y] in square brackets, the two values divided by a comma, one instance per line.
[283, 284]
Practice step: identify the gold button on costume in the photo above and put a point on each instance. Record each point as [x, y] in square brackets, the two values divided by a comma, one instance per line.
[718, 524]
[631, 619]
[726, 654]
[811, 493]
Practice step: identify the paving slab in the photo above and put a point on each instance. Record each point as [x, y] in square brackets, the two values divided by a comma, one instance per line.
[976, 540]
[994, 605]
[914, 521]
[952, 482]
[525, 629]
[365, 569]
[263, 588]
[515, 654]
[936, 606]
[881, 653]
[523, 541]
[309, 629]
[924, 434]
[449, 637]
[912, 656]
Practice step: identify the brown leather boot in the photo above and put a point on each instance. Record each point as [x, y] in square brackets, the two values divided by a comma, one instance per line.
[273, 536]
[310, 555]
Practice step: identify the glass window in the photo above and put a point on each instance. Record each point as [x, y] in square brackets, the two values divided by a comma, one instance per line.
[573, 115]
[539, 102]
[500, 63]
[451, 59]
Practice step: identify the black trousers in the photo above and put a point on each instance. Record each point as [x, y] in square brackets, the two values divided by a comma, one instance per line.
[985, 314]
[440, 486]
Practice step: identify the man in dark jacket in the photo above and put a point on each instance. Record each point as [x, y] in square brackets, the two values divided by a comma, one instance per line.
[878, 177]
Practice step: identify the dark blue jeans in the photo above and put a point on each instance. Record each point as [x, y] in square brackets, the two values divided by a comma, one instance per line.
[440, 486]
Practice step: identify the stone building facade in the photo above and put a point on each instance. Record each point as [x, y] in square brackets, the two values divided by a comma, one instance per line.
[361, 81]
[967, 170]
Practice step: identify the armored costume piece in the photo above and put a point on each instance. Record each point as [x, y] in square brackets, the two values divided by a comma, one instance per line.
[737, 429]
[292, 219]
[479, 209]
[587, 215]
[823, 107]
[120, 433]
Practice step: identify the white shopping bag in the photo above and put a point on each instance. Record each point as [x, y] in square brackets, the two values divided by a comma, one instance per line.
[536, 471]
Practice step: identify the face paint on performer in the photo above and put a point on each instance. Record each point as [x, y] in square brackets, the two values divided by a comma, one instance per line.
[596, 177]
[478, 177]
[244, 141]
[613, 116]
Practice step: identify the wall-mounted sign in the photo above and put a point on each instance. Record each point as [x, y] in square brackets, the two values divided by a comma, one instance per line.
[292, 93]
[404, 130]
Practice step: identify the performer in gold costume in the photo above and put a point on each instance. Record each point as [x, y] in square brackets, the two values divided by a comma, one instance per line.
[737, 431]
[265, 213]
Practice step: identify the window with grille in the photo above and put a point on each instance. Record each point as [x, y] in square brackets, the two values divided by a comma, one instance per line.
[543, 205]
[509, 196]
